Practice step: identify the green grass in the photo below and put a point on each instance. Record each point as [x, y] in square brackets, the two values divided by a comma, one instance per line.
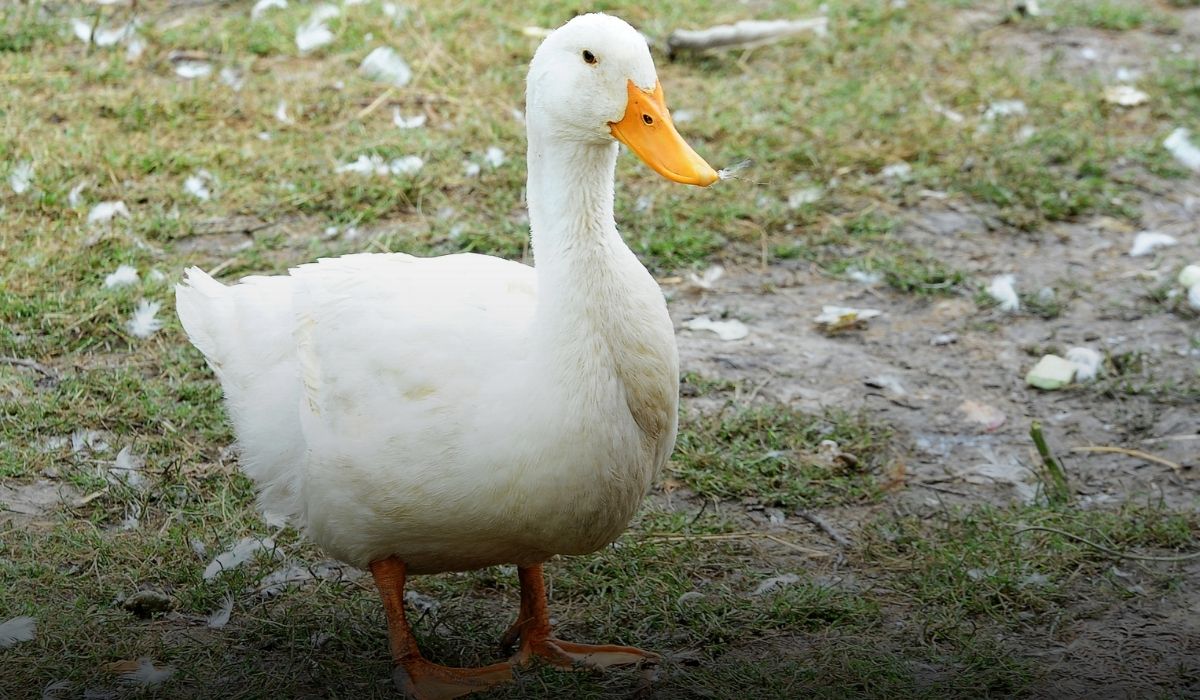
[1112, 15]
[774, 456]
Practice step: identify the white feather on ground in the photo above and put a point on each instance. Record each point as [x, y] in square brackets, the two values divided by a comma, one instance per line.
[82, 29]
[197, 183]
[21, 177]
[732, 329]
[134, 48]
[1005, 108]
[864, 277]
[808, 195]
[190, 70]
[241, 552]
[385, 65]
[127, 469]
[17, 630]
[375, 165]
[281, 113]
[144, 322]
[1183, 149]
[105, 212]
[1002, 289]
[147, 673]
[220, 617]
[262, 6]
[1189, 276]
[232, 77]
[53, 688]
[313, 34]
[494, 157]
[124, 275]
[404, 122]
[774, 583]
[421, 602]
[708, 280]
[75, 196]
[1087, 363]
[110, 36]
[1147, 242]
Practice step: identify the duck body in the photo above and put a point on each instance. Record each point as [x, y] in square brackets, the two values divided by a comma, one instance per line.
[418, 415]
[440, 411]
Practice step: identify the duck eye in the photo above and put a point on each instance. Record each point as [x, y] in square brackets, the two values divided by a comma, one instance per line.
[648, 119]
[589, 57]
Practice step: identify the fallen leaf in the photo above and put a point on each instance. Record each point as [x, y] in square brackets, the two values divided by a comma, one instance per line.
[1125, 96]
[834, 319]
[141, 671]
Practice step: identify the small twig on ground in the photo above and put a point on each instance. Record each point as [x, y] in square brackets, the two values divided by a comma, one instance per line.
[375, 104]
[1171, 438]
[31, 364]
[1106, 550]
[1145, 456]
[745, 34]
[825, 527]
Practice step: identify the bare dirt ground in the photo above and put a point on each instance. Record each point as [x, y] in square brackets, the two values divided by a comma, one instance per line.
[916, 365]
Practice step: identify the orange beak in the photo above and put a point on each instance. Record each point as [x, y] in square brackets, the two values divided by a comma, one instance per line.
[649, 132]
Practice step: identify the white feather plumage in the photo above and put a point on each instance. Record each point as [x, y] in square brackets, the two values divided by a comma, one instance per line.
[464, 411]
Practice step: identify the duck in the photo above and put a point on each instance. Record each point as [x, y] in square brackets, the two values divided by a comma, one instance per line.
[418, 415]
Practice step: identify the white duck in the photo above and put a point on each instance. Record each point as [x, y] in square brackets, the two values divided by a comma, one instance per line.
[419, 415]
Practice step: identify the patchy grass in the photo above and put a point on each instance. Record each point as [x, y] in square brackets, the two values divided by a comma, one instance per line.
[869, 243]
[775, 456]
[1113, 15]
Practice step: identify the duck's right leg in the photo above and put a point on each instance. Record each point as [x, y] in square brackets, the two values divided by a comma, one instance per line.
[417, 678]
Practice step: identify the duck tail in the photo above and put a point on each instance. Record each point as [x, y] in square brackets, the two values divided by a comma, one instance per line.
[204, 307]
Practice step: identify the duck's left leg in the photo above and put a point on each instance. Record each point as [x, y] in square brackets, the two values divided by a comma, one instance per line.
[417, 678]
[533, 628]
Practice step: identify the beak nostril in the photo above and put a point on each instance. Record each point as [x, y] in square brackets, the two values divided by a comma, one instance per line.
[647, 119]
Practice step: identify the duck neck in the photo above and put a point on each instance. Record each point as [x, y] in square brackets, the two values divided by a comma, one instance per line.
[595, 299]
[570, 194]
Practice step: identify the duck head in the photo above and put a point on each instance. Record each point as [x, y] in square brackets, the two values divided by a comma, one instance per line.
[592, 81]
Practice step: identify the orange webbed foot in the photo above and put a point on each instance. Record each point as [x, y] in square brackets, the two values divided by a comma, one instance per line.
[572, 656]
[419, 679]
